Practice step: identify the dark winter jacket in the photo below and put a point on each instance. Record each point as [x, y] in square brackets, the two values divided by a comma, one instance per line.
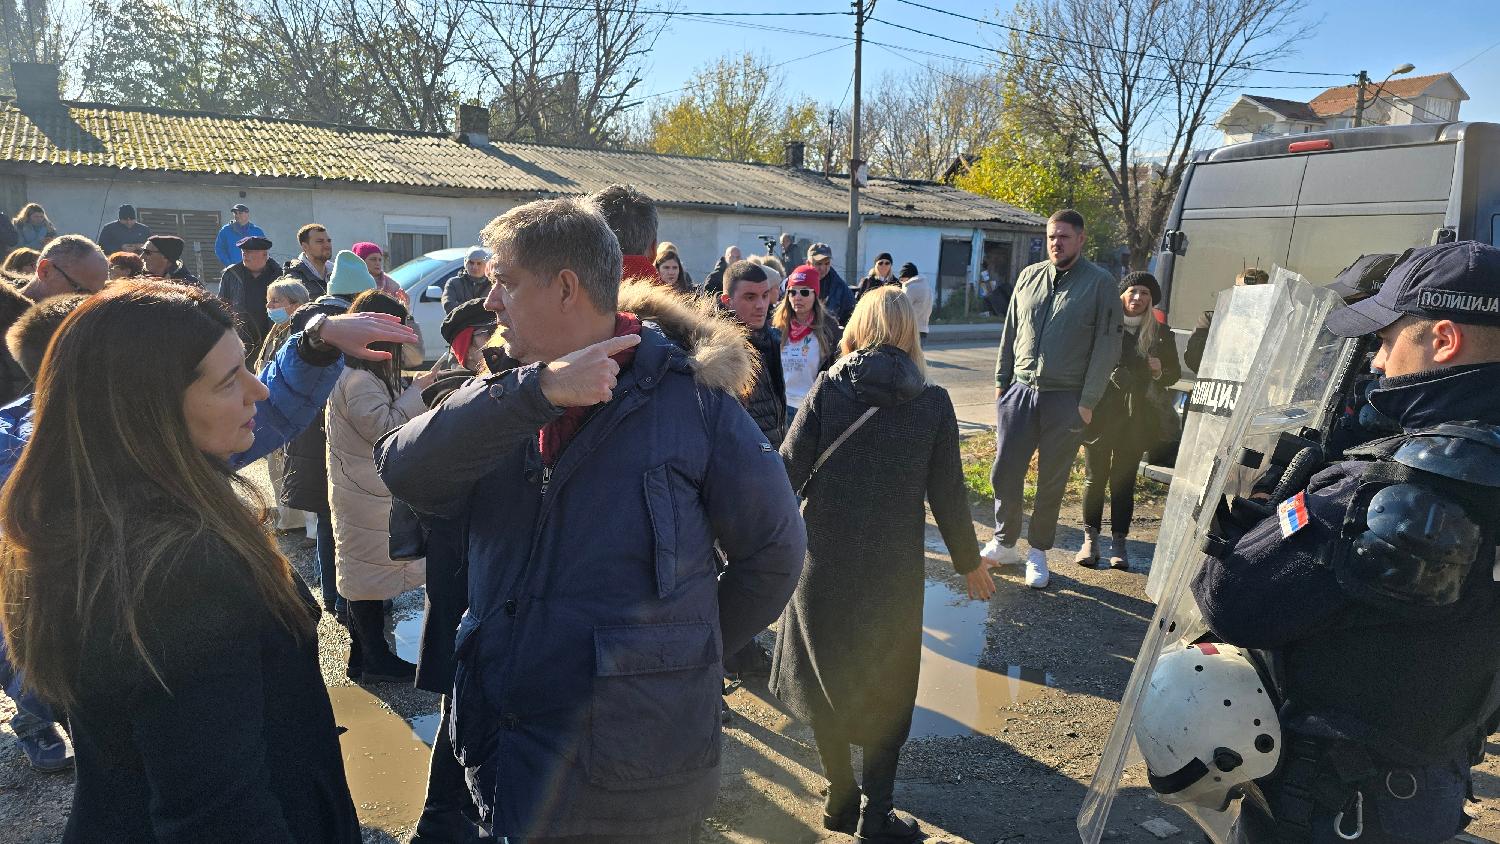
[850, 641]
[13, 380]
[872, 281]
[299, 269]
[587, 694]
[1397, 682]
[767, 399]
[713, 285]
[181, 275]
[1125, 419]
[9, 237]
[240, 745]
[447, 571]
[246, 293]
[461, 287]
[837, 297]
[114, 236]
[1193, 354]
[304, 484]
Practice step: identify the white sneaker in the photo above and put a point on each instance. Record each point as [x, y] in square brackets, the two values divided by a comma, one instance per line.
[1000, 555]
[1037, 576]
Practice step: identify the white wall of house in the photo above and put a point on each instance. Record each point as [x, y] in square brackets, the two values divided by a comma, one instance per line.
[86, 204]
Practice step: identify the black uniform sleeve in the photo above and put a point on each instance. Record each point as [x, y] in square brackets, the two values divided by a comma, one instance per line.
[1270, 590]
[1193, 356]
[946, 493]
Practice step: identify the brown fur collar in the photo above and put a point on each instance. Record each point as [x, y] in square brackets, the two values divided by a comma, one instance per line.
[716, 345]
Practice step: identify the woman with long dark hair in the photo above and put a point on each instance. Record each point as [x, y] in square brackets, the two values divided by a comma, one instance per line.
[370, 399]
[809, 335]
[143, 595]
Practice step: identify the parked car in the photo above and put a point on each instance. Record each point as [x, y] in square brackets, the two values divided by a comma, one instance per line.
[422, 278]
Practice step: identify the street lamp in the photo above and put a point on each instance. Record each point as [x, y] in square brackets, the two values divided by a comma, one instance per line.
[1364, 79]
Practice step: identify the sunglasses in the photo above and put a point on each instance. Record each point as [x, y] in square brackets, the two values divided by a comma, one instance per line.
[77, 288]
[150, 252]
[800, 291]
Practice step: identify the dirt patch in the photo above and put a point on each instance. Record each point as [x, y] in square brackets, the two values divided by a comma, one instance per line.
[1018, 778]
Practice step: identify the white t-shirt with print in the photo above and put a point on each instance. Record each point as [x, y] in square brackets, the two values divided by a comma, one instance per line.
[799, 365]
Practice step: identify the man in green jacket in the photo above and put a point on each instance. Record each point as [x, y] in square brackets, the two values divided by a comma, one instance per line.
[1060, 344]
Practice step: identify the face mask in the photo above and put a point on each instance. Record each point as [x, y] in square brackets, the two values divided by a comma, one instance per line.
[278, 315]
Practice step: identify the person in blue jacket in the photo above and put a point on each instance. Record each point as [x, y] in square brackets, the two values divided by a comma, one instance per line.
[1372, 592]
[597, 470]
[233, 232]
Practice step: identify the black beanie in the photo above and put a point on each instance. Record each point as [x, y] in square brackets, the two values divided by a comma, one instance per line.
[908, 270]
[884, 256]
[1144, 279]
[170, 247]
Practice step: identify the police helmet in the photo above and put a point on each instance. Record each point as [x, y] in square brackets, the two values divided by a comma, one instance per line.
[1208, 725]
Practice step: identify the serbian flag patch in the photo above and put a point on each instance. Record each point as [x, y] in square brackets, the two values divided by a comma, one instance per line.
[1292, 514]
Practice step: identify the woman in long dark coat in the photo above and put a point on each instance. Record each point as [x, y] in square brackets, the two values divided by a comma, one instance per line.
[146, 598]
[1126, 422]
[849, 642]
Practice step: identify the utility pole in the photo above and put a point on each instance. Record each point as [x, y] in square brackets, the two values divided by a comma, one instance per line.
[856, 165]
[1359, 102]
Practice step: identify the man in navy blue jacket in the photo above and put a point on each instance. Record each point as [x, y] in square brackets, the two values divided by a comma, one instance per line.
[597, 469]
[1385, 644]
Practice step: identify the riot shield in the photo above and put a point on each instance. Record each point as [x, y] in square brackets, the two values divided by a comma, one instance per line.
[1268, 367]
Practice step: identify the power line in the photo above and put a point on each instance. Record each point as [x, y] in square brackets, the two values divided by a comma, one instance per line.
[664, 12]
[768, 67]
[1477, 55]
[1065, 40]
[1137, 77]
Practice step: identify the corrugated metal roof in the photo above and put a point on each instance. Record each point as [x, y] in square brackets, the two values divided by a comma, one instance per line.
[142, 139]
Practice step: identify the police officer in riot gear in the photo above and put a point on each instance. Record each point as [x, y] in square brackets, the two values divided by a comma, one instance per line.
[1372, 593]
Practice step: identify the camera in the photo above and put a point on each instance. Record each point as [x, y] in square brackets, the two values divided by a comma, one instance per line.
[770, 243]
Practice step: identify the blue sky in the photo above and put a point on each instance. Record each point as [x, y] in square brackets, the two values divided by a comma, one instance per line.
[1344, 36]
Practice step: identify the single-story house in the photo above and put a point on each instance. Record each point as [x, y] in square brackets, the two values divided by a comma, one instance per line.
[1398, 102]
[414, 192]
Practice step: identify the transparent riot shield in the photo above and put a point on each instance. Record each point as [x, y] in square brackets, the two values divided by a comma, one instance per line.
[1268, 367]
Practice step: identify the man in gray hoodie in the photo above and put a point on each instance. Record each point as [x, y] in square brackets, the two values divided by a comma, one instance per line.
[1060, 344]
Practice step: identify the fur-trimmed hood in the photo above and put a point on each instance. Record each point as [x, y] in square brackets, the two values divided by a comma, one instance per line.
[717, 347]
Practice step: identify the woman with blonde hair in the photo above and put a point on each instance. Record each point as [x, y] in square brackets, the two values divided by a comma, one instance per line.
[873, 445]
[34, 227]
[809, 335]
[1126, 422]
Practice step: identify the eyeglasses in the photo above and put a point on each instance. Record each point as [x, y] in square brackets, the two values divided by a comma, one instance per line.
[800, 291]
[77, 288]
[878, 263]
[150, 252]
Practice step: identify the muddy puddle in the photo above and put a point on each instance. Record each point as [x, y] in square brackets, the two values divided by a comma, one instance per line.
[384, 759]
[955, 697]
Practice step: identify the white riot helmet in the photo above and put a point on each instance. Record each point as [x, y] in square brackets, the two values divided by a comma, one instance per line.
[1208, 725]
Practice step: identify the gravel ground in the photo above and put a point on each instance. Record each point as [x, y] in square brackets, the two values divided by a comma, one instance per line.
[1020, 778]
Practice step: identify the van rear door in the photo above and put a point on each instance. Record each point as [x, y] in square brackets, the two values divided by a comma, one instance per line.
[1236, 214]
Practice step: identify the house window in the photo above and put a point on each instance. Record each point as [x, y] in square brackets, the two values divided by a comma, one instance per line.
[198, 230]
[409, 237]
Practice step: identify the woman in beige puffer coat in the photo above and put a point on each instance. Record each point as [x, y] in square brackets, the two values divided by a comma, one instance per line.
[370, 399]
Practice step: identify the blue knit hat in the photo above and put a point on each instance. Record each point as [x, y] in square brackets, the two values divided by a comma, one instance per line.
[350, 276]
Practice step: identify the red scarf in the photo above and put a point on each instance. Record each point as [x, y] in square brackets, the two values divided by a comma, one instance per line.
[640, 266]
[461, 343]
[799, 330]
[560, 431]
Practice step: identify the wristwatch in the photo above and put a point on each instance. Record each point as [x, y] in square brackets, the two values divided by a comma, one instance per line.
[313, 331]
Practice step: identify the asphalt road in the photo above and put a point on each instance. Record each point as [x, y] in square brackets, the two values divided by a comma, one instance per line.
[967, 370]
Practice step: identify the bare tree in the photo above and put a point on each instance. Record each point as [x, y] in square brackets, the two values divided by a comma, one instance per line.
[410, 51]
[922, 119]
[39, 31]
[1138, 80]
[560, 73]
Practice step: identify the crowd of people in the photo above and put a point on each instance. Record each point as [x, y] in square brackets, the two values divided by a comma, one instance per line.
[610, 484]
